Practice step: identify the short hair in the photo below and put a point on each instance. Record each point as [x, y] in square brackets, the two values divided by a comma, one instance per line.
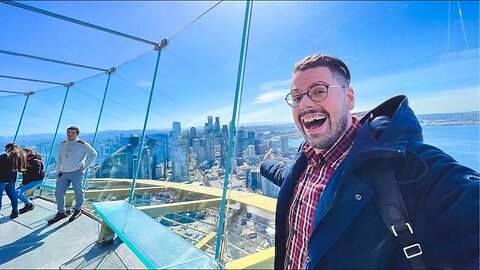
[74, 128]
[338, 68]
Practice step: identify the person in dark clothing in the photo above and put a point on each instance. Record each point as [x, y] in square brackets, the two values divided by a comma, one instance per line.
[327, 216]
[32, 177]
[11, 162]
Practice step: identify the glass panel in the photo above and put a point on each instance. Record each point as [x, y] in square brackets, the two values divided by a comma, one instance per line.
[174, 252]
[186, 144]
[414, 48]
[121, 123]
[11, 107]
[81, 109]
[39, 123]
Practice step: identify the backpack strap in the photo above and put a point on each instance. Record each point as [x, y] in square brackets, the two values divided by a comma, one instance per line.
[392, 208]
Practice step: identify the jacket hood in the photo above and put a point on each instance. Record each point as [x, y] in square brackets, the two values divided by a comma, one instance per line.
[403, 126]
[34, 156]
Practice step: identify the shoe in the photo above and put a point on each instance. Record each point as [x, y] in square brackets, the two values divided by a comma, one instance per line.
[57, 217]
[27, 207]
[75, 215]
[14, 215]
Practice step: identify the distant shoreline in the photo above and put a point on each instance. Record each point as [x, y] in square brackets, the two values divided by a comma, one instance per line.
[446, 119]
[437, 119]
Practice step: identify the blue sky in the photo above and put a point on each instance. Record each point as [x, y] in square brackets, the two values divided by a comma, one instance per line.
[413, 48]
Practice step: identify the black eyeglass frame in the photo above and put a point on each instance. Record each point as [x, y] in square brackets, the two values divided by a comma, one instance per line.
[289, 95]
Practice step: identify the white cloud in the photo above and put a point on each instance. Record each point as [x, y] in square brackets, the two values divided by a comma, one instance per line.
[144, 83]
[272, 91]
[432, 89]
[457, 100]
[421, 79]
[445, 101]
[267, 97]
[272, 85]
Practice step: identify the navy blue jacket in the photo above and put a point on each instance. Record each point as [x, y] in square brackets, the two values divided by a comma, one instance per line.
[441, 197]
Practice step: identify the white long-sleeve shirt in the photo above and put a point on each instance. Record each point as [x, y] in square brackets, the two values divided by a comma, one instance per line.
[73, 154]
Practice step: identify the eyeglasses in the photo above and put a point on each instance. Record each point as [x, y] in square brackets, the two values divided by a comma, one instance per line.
[317, 93]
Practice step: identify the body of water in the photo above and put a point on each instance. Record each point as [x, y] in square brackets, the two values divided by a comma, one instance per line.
[460, 142]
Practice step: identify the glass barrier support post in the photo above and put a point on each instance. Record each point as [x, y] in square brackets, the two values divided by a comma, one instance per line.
[158, 47]
[68, 85]
[28, 94]
[238, 96]
[109, 72]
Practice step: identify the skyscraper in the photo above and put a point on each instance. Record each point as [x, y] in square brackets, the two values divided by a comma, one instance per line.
[251, 138]
[255, 179]
[251, 155]
[217, 124]
[284, 145]
[179, 154]
[210, 122]
[177, 130]
[192, 134]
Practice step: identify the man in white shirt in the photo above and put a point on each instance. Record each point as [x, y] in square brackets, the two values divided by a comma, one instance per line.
[74, 157]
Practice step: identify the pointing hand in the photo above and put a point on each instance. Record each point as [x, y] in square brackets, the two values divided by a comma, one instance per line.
[269, 154]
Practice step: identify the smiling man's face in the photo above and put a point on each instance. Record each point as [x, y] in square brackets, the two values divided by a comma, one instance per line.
[71, 134]
[322, 123]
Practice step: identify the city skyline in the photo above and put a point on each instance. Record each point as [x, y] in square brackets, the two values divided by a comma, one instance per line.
[435, 61]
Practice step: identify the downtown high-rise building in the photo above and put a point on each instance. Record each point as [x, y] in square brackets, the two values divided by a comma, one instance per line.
[177, 130]
[284, 145]
[217, 124]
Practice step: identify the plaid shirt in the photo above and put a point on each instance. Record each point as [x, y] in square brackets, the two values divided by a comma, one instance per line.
[307, 192]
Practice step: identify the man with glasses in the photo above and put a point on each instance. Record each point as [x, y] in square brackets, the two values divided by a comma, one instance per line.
[328, 213]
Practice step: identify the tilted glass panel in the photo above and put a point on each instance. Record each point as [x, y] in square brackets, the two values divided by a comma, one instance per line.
[11, 106]
[81, 110]
[186, 143]
[412, 48]
[174, 252]
[40, 120]
[120, 127]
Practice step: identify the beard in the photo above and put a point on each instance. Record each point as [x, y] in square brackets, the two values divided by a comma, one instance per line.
[338, 125]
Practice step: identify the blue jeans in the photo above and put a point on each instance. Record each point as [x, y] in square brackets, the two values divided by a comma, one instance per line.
[23, 188]
[63, 182]
[9, 188]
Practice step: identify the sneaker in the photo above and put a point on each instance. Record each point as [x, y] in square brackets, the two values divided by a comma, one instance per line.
[28, 207]
[57, 217]
[75, 215]
[14, 215]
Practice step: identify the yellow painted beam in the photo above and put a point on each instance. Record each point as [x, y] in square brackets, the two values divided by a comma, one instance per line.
[96, 192]
[187, 237]
[253, 199]
[163, 209]
[207, 240]
[118, 191]
[185, 225]
[260, 260]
